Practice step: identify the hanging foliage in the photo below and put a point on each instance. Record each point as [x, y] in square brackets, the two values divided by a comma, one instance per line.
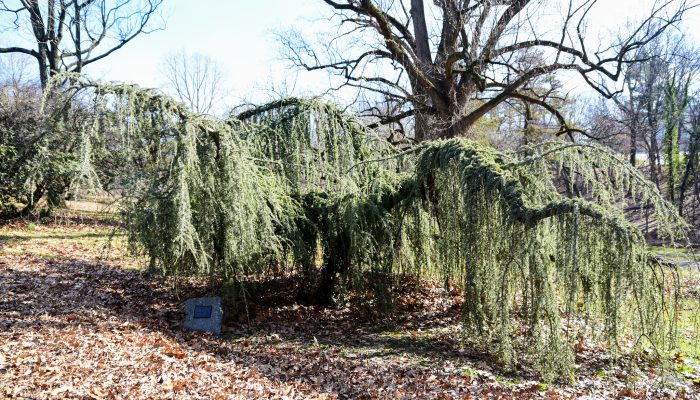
[297, 183]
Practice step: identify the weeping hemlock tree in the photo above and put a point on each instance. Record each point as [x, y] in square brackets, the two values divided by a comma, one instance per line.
[297, 183]
[59, 36]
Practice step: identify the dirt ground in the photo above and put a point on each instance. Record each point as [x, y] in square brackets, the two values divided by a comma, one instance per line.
[80, 319]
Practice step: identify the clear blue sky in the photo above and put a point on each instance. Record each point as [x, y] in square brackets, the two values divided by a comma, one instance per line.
[238, 34]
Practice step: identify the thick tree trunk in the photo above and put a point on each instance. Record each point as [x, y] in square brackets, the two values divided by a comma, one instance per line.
[337, 263]
[422, 127]
[43, 67]
[460, 127]
[420, 32]
[29, 207]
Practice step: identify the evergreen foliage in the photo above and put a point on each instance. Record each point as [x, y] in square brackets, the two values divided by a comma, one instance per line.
[298, 183]
[38, 156]
[676, 104]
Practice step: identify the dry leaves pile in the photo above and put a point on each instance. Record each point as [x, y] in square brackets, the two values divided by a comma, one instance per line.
[76, 323]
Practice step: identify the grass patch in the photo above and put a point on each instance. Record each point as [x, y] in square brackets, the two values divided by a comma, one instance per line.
[13, 251]
[675, 253]
[50, 240]
[688, 329]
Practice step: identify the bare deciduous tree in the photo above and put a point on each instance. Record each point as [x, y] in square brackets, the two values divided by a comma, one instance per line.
[473, 55]
[643, 105]
[13, 73]
[67, 35]
[196, 80]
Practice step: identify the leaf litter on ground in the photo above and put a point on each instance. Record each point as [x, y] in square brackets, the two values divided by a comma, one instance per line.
[78, 321]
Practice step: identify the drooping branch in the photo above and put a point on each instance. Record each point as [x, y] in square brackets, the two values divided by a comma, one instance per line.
[298, 183]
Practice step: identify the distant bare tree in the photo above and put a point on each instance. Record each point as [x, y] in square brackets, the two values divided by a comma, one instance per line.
[196, 80]
[643, 105]
[467, 57]
[608, 125]
[70, 34]
[13, 73]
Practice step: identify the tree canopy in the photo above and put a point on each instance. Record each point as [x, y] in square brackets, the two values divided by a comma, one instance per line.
[69, 35]
[451, 70]
[298, 183]
[532, 235]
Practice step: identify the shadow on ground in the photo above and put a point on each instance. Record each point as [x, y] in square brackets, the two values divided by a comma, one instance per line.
[327, 349]
[348, 353]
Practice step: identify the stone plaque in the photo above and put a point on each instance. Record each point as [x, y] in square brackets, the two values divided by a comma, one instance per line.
[204, 314]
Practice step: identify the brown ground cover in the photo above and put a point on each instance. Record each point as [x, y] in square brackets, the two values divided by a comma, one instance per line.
[80, 319]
